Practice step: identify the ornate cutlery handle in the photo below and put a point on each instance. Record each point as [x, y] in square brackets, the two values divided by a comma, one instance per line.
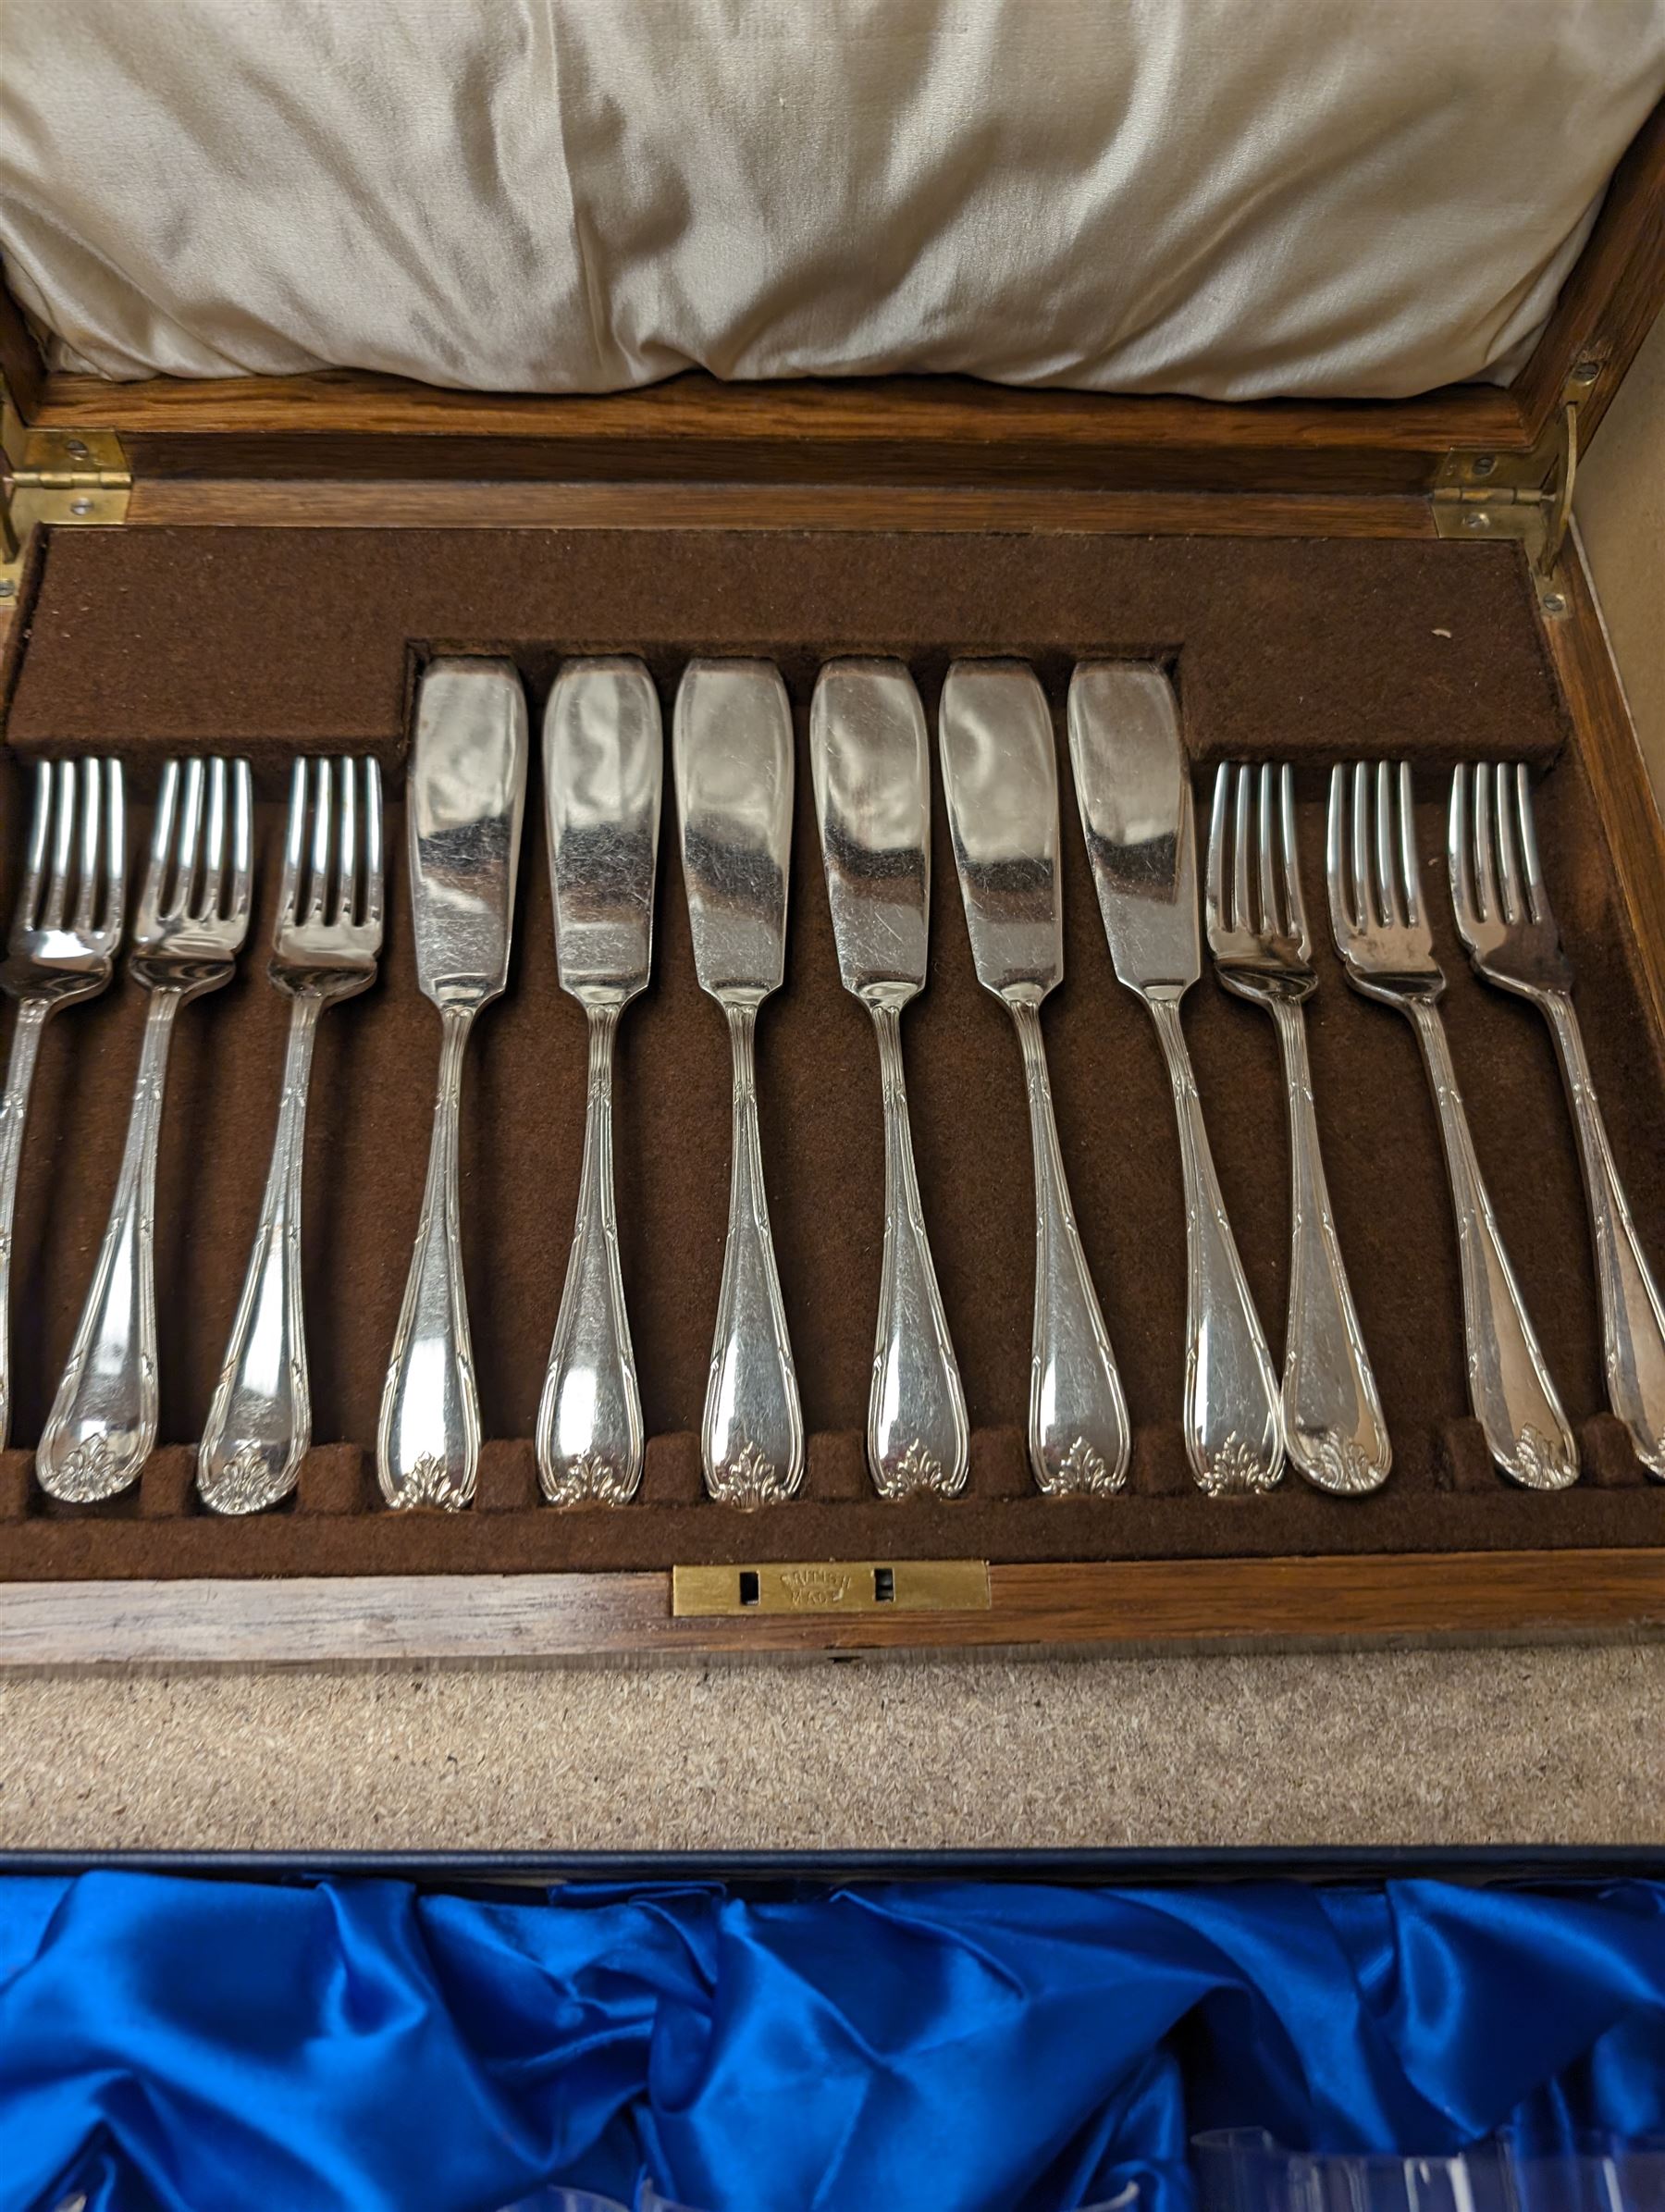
[102, 1422]
[1333, 1425]
[259, 1420]
[1509, 1389]
[589, 1418]
[427, 1446]
[918, 1437]
[1079, 1438]
[14, 1112]
[753, 1432]
[1233, 1409]
[1632, 1320]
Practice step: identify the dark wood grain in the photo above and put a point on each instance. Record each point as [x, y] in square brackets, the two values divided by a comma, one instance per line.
[303, 504]
[1114, 1605]
[20, 363]
[1612, 760]
[959, 412]
[895, 430]
[1609, 304]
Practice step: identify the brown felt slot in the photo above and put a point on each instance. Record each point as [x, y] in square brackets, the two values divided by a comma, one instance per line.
[1609, 1460]
[269, 640]
[336, 1478]
[17, 1479]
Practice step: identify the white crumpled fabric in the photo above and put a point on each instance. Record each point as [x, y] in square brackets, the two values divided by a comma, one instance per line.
[1236, 198]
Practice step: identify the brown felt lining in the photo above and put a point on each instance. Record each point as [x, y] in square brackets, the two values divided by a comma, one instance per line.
[265, 641]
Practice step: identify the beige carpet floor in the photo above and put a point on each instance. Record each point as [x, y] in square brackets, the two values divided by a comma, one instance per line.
[1456, 1747]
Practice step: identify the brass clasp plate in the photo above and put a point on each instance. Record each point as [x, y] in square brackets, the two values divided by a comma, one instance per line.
[832, 1586]
[1523, 496]
[54, 476]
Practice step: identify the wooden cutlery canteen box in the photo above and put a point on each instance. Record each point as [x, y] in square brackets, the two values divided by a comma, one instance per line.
[264, 567]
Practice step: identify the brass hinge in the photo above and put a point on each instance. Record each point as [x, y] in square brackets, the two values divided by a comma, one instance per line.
[57, 477]
[832, 1586]
[1524, 496]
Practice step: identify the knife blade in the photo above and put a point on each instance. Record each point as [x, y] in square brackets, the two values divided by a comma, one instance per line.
[466, 793]
[1000, 778]
[732, 753]
[603, 750]
[873, 799]
[1135, 798]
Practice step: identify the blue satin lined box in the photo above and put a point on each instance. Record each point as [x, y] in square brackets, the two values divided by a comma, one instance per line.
[373, 2044]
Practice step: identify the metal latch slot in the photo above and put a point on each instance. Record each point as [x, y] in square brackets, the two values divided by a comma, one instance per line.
[841, 1586]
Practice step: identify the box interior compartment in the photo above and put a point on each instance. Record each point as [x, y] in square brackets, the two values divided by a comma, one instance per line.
[269, 641]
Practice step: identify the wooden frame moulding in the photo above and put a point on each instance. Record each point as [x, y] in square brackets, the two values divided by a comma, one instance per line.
[1117, 1606]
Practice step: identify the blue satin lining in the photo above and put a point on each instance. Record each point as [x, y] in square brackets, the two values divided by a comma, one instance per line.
[178, 2046]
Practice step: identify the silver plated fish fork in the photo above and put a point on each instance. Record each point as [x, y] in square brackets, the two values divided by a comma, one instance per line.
[58, 954]
[1382, 934]
[1505, 920]
[192, 919]
[324, 949]
[1257, 932]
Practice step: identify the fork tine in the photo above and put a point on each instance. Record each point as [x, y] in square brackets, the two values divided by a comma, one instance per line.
[190, 839]
[346, 906]
[294, 839]
[242, 842]
[1410, 881]
[1515, 901]
[114, 852]
[318, 887]
[1387, 883]
[1244, 916]
[155, 873]
[1266, 868]
[34, 863]
[1460, 859]
[1385, 841]
[62, 842]
[373, 848]
[1342, 917]
[214, 843]
[1294, 902]
[1486, 850]
[1213, 894]
[1363, 907]
[86, 886]
[1535, 895]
